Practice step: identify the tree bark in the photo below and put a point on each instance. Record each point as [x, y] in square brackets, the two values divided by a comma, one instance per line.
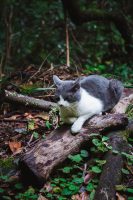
[39, 162]
[123, 104]
[112, 174]
[14, 97]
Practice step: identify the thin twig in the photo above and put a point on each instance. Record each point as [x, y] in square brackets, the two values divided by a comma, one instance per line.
[67, 41]
[41, 65]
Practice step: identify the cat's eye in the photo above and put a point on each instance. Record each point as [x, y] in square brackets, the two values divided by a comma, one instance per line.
[56, 98]
[69, 98]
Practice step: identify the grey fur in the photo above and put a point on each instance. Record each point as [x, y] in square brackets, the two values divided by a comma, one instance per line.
[108, 91]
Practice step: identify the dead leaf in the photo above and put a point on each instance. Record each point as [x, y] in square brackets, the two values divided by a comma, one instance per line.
[41, 197]
[130, 168]
[13, 117]
[87, 177]
[28, 116]
[84, 196]
[48, 187]
[44, 116]
[14, 146]
[120, 197]
[76, 197]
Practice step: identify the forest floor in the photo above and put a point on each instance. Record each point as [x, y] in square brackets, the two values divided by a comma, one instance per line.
[22, 127]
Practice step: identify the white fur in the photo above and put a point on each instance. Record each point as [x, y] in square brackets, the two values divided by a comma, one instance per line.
[87, 107]
[78, 113]
[89, 104]
[63, 103]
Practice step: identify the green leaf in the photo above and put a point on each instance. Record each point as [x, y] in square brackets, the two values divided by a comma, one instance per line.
[56, 180]
[42, 89]
[61, 198]
[130, 190]
[93, 149]
[76, 158]
[130, 198]
[109, 147]
[84, 153]
[48, 124]
[44, 136]
[49, 195]
[125, 171]
[35, 135]
[90, 187]
[66, 192]
[115, 152]
[73, 187]
[130, 139]
[92, 194]
[96, 142]
[96, 169]
[101, 162]
[104, 138]
[6, 197]
[120, 187]
[31, 124]
[130, 157]
[18, 186]
[4, 178]
[66, 169]
[63, 180]
[78, 180]
[1, 190]
[94, 180]
[57, 189]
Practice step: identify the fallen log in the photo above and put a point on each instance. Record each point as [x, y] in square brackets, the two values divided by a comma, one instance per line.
[112, 170]
[123, 104]
[14, 97]
[39, 162]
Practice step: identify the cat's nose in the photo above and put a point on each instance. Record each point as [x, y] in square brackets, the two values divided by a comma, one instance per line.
[60, 104]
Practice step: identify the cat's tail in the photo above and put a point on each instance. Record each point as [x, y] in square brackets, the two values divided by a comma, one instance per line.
[116, 89]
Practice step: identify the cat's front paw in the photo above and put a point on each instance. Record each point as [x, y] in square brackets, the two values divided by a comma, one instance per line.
[75, 128]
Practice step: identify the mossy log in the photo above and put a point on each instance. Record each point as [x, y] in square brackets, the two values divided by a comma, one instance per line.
[14, 97]
[39, 162]
[112, 170]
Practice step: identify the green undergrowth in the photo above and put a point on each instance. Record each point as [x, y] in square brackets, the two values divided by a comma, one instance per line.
[80, 174]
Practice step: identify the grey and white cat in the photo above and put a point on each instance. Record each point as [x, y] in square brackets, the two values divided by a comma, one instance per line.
[87, 96]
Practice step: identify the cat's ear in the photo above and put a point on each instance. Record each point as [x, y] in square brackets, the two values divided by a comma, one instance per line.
[57, 81]
[76, 85]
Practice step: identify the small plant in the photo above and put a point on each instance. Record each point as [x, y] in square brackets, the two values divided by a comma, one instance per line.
[31, 124]
[27, 195]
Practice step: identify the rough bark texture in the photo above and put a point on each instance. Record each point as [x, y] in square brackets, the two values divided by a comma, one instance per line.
[123, 104]
[14, 97]
[112, 174]
[46, 155]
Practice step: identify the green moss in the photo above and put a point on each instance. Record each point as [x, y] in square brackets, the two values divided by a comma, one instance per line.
[129, 111]
[6, 165]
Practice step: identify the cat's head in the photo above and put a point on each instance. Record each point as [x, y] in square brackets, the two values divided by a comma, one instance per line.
[67, 92]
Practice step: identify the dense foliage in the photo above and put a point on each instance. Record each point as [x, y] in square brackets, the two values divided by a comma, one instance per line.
[33, 31]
